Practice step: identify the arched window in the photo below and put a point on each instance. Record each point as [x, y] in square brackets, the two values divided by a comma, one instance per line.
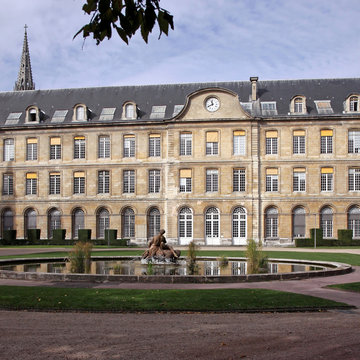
[54, 221]
[212, 226]
[29, 220]
[153, 222]
[354, 103]
[326, 221]
[298, 222]
[185, 226]
[102, 222]
[7, 220]
[239, 226]
[78, 222]
[129, 111]
[80, 113]
[128, 223]
[354, 221]
[271, 223]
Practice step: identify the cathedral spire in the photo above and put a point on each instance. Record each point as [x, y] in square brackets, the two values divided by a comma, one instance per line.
[25, 80]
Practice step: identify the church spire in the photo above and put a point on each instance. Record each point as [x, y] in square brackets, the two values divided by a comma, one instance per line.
[25, 80]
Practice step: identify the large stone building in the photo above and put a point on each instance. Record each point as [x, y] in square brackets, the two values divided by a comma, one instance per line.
[213, 162]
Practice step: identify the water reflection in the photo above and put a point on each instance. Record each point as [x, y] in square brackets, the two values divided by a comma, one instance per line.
[135, 267]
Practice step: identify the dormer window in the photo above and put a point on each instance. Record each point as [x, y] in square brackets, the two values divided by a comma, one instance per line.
[298, 105]
[32, 115]
[80, 113]
[129, 111]
[354, 103]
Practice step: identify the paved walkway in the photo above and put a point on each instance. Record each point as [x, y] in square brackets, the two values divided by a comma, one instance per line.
[314, 287]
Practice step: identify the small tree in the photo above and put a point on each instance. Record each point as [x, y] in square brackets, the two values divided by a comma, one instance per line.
[256, 260]
[80, 258]
[191, 259]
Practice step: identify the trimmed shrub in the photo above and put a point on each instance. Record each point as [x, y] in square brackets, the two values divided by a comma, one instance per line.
[110, 236]
[319, 236]
[304, 242]
[9, 237]
[84, 235]
[345, 237]
[58, 236]
[33, 235]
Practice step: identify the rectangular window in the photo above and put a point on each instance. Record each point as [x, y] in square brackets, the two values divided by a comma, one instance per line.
[31, 149]
[271, 146]
[299, 142]
[9, 150]
[129, 146]
[8, 184]
[154, 181]
[103, 182]
[239, 143]
[327, 179]
[238, 179]
[31, 184]
[185, 180]
[104, 147]
[212, 143]
[326, 142]
[55, 148]
[154, 145]
[54, 188]
[129, 181]
[79, 182]
[354, 179]
[79, 147]
[272, 180]
[268, 108]
[186, 144]
[354, 142]
[299, 180]
[212, 180]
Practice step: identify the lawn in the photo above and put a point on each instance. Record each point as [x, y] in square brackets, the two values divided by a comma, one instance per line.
[118, 300]
[355, 286]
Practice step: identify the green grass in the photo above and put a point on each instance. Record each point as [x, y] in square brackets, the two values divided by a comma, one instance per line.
[355, 286]
[352, 259]
[223, 300]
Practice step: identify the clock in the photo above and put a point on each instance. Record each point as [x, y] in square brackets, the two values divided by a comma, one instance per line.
[212, 104]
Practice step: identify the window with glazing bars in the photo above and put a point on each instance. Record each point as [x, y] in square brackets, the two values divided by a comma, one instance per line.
[326, 182]
[354, 142]
[154, 145]
[55, 148]
[212, 143]
[8, 184]
[354, 179]
[54, 187]
[212, 223]
[299, 142]
[79, 183]
[239, 143]
[31, 185]
[103, 223]
[271, 224]
[354, 221]
[31, 149]
[79, 148]
[9, 150]
[129, 181]
[212, 180]
[238, 179]
[186, 144]
[239, 223]
[128, 221]
[326, 142]
[129, 146]
[154, 181]
[299, 181]
[185, 180]
[104, 147]
[185, 223]
[354, 103]
[272, 182]
[271, 144]
[103, 182]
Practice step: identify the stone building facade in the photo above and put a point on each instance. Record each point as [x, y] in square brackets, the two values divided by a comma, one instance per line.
[217, 163]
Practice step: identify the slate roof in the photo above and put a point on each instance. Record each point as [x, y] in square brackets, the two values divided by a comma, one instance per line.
[97, 98]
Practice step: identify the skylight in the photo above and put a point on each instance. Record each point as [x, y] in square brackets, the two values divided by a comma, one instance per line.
[59, 115]
[268, 108]
[323, 107]
[177, 109]
[13, 118]
[158, 112]
[107, 114]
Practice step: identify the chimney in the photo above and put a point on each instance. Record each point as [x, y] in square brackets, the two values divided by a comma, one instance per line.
[253, 80]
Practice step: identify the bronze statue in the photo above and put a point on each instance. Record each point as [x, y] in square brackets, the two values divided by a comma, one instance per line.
[159, 249]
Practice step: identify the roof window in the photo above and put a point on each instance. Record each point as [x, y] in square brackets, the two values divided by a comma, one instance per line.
[59, 115]
[13, 118]
[107, 114]
[158, 112]
[323, 107]
[177, 109]
[268, 108]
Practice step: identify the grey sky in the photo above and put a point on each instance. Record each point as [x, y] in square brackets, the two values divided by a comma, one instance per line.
[214, 40]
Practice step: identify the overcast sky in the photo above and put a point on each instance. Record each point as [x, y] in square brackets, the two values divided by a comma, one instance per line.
[214, 40]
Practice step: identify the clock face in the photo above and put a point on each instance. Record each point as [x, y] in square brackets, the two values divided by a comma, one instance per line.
[212, 104]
